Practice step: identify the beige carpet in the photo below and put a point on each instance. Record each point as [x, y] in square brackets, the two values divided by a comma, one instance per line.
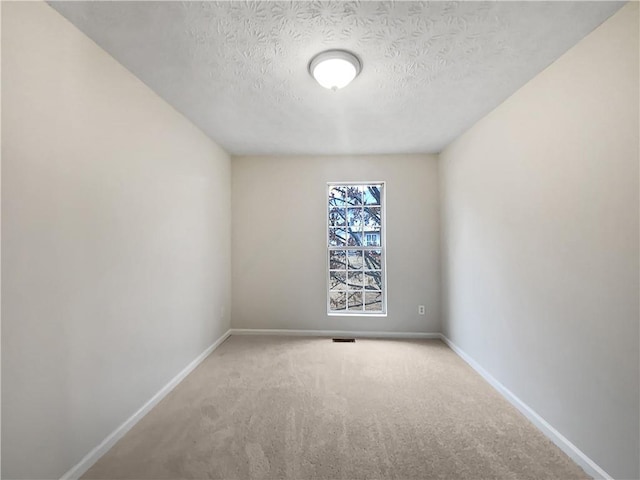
[307, 408]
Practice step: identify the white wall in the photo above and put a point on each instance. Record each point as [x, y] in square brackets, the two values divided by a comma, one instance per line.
[279, 241]
[540, 220]
[115, 248]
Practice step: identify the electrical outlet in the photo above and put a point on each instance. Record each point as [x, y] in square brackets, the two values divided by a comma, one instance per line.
[420, 309]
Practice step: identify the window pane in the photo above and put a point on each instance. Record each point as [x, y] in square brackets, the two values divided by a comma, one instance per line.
[354, 300]
[337, 237]
[354, 239]
[373, 259]
[337, 196]
[371, 217]
[337, 300]
[372, 238]
[354, 195]
[354, 218]
[337, 260]
[371, 194]
[373, 301]
[373, 280]
[355, 280]
[338, 280]
[355, 258]
[337, 217]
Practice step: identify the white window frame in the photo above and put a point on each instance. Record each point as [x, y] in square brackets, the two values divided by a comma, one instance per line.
[382, 247]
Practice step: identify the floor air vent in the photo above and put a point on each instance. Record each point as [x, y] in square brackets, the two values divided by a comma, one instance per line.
[344, 340]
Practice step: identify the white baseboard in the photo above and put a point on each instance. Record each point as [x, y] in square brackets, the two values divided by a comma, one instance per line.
[331, 333]
[588, 465]
[94, 455]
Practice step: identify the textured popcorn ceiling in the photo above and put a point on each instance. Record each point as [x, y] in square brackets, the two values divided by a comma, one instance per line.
[238, 70]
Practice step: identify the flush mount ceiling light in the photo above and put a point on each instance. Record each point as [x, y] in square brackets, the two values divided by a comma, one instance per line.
[334, 69]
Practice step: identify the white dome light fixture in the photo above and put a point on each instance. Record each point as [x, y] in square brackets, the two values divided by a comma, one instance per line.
[334, 69]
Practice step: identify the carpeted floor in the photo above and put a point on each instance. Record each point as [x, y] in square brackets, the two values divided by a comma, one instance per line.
[307, 408]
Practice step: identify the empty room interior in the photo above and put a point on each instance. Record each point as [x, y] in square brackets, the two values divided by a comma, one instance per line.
[320, 240]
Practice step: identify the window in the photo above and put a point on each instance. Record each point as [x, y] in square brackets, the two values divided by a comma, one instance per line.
[356, 249]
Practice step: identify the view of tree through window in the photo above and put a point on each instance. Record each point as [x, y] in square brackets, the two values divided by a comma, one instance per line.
[356, 249]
